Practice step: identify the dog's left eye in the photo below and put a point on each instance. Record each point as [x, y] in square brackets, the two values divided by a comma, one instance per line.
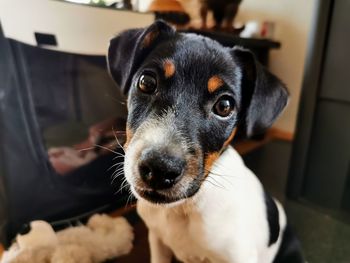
[224, 106]
[147, 83]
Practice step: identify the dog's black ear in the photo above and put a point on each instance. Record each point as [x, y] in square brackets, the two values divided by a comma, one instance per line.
[127, 50]
[264, 96]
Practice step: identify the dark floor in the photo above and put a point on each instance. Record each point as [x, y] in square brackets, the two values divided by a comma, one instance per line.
[325, 237]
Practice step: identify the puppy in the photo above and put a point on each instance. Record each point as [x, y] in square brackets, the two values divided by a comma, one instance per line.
[187, 96]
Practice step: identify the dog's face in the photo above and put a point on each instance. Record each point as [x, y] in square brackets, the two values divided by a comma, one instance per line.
[186, 97]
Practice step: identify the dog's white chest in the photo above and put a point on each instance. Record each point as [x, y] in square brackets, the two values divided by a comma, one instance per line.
[184, 234]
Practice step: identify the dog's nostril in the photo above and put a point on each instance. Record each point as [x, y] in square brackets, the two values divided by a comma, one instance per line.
[145, 172]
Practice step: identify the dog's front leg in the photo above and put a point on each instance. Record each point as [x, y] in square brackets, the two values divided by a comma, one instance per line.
[160, 253]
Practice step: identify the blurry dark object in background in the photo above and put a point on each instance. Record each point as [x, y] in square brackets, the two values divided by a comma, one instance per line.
[176, 18]
[122, 4]
[224, 13]
[170, 11]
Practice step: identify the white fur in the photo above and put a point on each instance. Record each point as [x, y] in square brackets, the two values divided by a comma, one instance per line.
[225, 222]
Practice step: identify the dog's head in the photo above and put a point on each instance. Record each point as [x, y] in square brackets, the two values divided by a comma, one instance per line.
[187, 95]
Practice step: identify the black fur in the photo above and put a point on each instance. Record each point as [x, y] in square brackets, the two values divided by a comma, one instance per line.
[290, 249]
[261, 90]
[259, 95]
[273, 218]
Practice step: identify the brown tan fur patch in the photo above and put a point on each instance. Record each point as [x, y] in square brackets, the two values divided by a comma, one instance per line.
[214, 83]
[149, 38]
[230, 138]
[209, 160]
[169, 68]
[128, 136]
[212, 157]
[192, 167]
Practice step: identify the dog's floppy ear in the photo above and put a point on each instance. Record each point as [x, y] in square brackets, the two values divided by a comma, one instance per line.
[127, 50]
[264, 96]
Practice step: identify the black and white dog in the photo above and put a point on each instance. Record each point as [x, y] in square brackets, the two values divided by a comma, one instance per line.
[187, 96]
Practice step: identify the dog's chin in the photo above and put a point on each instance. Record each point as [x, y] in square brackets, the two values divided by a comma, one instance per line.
[163, 197]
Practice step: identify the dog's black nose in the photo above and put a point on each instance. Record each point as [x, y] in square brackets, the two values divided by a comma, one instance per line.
[160, 170]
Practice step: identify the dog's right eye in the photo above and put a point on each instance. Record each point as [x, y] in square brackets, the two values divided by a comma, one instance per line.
[147, 83]
[224, 106]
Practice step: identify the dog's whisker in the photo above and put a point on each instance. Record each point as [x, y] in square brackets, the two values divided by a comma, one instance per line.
[119, 156]
[129, 199]
[206, 180]
[105, 148]
[215, 181]
[218, 183]
[222, 176]
[114, 165]
[117, 140]
[115, 176]
[120, 189]
[220, 166]
[124, 185]
[86, 149]
[118, 169]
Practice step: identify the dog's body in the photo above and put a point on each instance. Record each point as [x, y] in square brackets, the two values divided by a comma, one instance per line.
[226, 221]
[187, 96]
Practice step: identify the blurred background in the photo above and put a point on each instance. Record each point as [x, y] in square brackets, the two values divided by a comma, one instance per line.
[62, 120]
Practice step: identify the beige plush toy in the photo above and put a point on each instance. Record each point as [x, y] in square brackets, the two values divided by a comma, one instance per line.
[101, 239]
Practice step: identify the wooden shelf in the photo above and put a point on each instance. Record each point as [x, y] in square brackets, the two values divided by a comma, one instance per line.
[246, 146]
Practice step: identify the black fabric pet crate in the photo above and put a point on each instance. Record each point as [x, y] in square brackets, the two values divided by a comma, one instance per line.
[51, 103]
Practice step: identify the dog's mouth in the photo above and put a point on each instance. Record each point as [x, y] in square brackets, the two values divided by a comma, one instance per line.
[179, 192]
[155, 196]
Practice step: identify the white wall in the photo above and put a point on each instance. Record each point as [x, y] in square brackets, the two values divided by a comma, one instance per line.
[293, 21]
[78, 28]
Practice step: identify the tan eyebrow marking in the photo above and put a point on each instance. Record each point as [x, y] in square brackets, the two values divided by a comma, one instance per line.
[214, 83]
[169, 68]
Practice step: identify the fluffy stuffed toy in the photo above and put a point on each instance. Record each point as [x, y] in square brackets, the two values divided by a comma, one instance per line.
[101, 239]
